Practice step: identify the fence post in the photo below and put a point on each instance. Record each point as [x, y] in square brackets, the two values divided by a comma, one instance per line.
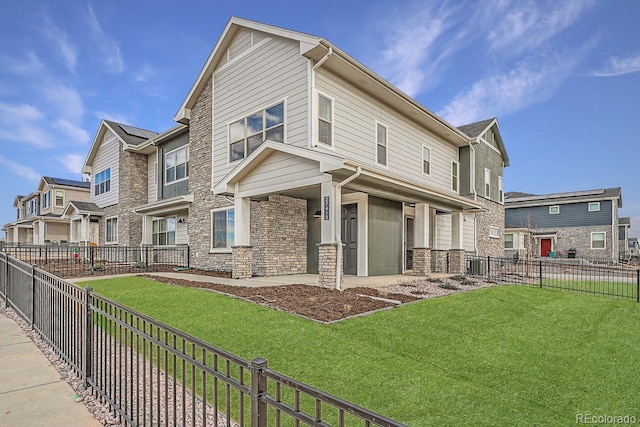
[188, 256]
[91, 258]
[540, 271]
[6, 281]
[88, 336]
[637, 285]
[258, 390]
[146, 257]
[488, 268]
[33, 294]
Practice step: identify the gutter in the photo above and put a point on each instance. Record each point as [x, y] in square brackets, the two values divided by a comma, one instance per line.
[338, 233]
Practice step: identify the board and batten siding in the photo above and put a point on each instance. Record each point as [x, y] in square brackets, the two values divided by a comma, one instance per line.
[152, 183]
[106, 157]
[269, 72]
[571, 215]
[277, 169]
[355, 115]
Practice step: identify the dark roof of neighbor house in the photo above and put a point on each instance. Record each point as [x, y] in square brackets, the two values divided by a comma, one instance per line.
[474, 130]
[131, 134]
[624, 221]
[19, 197]
[66, 182]
[512, 198]
[86, 206]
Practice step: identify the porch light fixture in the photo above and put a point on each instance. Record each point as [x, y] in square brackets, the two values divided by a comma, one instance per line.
[182, 220]
[318, 214]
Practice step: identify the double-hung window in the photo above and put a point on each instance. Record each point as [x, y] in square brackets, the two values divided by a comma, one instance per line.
[102, 182]
[246, 134]
[164, 231]
[176, 165]
[487, 183]
[455, 178]
[508, 241]
[598, 240]
[46, 200]
[325, 120]
[426, 160]
[59, 198]
[382, 133]
[500, 190]
[112, 230]
[222, 232]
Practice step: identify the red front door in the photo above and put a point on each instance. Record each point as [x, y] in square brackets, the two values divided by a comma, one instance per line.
[545, 247]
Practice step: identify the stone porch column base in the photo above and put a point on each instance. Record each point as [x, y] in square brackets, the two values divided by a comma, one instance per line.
[421, 261]
[241, 257]
[327, 253]
[439, 261]
[456, 261]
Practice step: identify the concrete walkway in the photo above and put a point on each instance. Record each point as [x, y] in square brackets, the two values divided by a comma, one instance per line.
[31, 390]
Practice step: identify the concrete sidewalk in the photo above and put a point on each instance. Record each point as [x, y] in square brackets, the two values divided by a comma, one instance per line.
[31, 390]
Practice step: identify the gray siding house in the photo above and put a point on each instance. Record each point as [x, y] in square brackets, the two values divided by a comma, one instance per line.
[584, 222]
[305, 161]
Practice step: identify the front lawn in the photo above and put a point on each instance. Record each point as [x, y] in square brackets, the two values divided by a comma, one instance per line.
[510, 355]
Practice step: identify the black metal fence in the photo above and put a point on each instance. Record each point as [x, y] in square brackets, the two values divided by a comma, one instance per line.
[151, 374]
[77, 261]
[616, 280]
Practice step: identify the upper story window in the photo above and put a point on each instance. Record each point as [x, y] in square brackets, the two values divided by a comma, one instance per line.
[246, 134]
[18, 213]
[487, 183]
[594, 206]
[59, 198]
[164, 231]
[325, 120]
[554, 210]
[455, 178]
[103, 182]
[32, 206]
[426, 160]
[500, 190]
[381, 144]
[46, 200]
[176, 165]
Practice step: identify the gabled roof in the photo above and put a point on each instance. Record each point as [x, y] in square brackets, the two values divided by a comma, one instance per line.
[320, 50]
[477, 129]
[62, 182]
[127, 135]
[569, 197]
[17, 200]
[83, 208]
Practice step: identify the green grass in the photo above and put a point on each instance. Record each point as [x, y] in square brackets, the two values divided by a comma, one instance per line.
[510, 355]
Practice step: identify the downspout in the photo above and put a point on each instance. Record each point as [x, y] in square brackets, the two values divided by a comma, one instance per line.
[338, 233]
[472, 176]
[324, 58]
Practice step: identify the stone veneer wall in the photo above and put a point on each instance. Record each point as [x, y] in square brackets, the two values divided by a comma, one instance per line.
[580, 239]
[439, 260]
[327, 253]
[456, 261]
[421, 261]
[279, 236]
[493, 217]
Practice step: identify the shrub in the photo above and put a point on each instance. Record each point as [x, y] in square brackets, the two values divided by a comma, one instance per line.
[450, 286]
[434, 280]
[458, 278]
[98, 267]
[140, 264]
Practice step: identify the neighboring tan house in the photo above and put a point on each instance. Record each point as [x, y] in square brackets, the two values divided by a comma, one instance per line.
[623, 236]
[118, 165]
[583, 224]
[39, 219]
[481, 166]
[634, 247]
[303, 160]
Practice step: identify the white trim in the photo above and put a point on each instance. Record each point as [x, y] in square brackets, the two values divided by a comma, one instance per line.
[229, 244]
[489, 144]
[500, 189]
[242, 54]
[316, 126]
[106, 228]
[55, 202]
[186, 166]
[386, 146]
[593, 210]
[487, 183]
[512, 240]
[175, 229]
[551, 210]
[455, 188]
[604, 240]
[497, 232]
[430, 165]
[362, 201]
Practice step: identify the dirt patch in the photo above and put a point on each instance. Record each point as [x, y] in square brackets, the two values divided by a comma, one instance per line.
[328, 305]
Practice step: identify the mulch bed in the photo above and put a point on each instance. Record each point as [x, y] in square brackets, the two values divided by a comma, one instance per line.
[322, 304]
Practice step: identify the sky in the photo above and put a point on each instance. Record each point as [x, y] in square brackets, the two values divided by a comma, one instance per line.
[562, 77]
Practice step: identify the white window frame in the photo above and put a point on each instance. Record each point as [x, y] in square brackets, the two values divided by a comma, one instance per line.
[331, 121]
[106, 182]
[500, 189]
[597, 204]
[106, 231]
[230, 228]
[604, 240]
[556, 208]
[494, 232]
[455, 178]
[426, 157]
[264, 130]
[56, 200]
[46, 200]
[386, 144]
[186, 164]
[166, 231]
[512, 241]
[487, 183]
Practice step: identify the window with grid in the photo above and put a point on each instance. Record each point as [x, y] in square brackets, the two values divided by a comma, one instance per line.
[454, 176]
[59, 198]
[598, 240]
[112, 230]
[222, 231]
[508, 241]
[176, 165]
[426, 160]
[246, 134]
[164, 231]
[102, 182]
[381, 144]
[325, 120]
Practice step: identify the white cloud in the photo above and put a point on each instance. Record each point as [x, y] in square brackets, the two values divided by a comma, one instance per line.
[29, 66]
[107, 48]
[73, 162]
[60, 40]
[619, 66]
[76, 133]
[146, 73]
[524, 25]
[118, 118]
[532, 81]
[24, 172]
[65, 100]
[23, 123]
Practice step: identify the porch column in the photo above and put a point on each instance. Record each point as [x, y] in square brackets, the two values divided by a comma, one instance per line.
[421, 249]
[329, 253]
[147, 230]
[84, 227]
[242, 252]
[456, 254]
